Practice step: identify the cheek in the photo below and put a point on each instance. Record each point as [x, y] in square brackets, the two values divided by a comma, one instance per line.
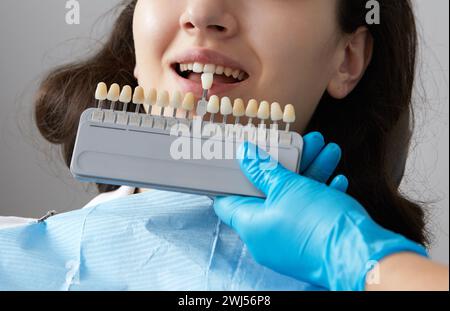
[300, 62]
[306, 72]
[154, 25]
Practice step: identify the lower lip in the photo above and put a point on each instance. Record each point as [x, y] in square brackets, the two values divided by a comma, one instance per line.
[196, 87]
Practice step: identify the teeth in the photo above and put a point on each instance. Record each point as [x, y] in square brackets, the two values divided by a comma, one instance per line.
[126, 94]
[207, 80]
[198, 68]
[176, 101]
[213, 69]
[236, 73]
[252, 109]
[151, 97]
[238, 108]
[264, 110]
[213, 104]
[289, 114]
[228, 72]
[276, 114]
[114, 93]
[188, 102]
[101, 93]
[226, 108]
[220, 70]
[163, 99]
[210, 68]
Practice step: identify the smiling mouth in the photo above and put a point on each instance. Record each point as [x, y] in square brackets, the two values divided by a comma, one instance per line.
[224, 75]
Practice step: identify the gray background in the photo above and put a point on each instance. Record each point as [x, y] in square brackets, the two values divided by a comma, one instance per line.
[34, 37]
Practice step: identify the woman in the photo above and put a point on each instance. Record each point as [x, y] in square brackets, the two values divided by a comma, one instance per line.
[348, 80]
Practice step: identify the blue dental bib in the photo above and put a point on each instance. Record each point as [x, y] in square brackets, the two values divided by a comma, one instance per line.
[152, 241]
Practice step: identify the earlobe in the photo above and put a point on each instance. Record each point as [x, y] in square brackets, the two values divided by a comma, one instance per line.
[353, 62]
[136, 73]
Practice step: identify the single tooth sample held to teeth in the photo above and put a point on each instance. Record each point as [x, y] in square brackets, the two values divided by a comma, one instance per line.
[170, 148]
[207, 83]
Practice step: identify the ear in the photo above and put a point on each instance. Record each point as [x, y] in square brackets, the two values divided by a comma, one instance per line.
[352, 63]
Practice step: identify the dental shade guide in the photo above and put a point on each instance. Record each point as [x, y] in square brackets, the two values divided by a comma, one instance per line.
[276, 114]
[226, 109]
[175, 103]
[138, 100]
[238, 110]
[213, 107]
[112, 97]
[202, 105]
[263, 113]
[101, 94]
[162, 102]
[135, 149]
[288, 118]
[125, 99]
[188, 105]
[251, 111]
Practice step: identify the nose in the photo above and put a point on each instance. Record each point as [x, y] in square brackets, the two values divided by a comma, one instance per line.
[208, 18]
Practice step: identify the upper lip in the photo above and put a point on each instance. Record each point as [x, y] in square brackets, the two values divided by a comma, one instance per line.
[207, 56]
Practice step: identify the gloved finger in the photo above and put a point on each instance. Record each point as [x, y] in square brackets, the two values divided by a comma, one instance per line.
[312, 145]
[325, 164]
[263, 171]
[237, 211]
[340, 183]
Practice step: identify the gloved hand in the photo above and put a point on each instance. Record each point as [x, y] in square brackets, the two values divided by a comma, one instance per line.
[319, 162]
[306, 229]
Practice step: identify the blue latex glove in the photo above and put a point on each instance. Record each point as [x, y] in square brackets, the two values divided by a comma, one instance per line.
[319, 161]
[306, 229]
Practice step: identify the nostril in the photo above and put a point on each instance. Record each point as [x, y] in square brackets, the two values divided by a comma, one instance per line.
[217, 27]
[189, 25]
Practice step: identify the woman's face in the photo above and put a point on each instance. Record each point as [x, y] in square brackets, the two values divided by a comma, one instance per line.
[288, 49]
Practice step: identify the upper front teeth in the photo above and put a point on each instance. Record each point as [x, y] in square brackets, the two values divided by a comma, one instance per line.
[211, 68]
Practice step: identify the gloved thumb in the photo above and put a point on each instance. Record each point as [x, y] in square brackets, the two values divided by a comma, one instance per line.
[236, 211]
[262, 170]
